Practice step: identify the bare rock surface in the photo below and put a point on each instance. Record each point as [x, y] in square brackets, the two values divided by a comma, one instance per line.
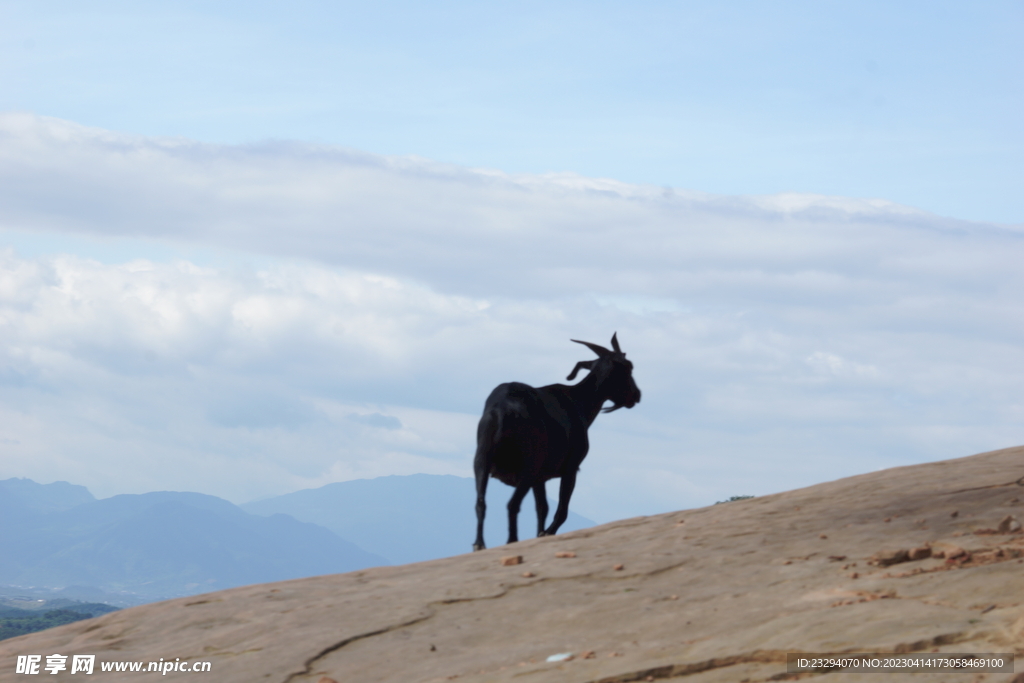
[715, 594]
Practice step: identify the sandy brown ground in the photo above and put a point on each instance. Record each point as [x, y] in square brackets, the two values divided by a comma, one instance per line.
[716, 594]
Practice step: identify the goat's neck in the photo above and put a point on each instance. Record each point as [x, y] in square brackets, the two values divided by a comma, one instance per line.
[589, 397]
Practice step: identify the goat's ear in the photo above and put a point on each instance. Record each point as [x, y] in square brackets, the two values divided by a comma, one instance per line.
[584, 364]
[615, 342]
[596, 348]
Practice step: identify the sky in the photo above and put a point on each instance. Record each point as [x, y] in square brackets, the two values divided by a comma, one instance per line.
[247, 249]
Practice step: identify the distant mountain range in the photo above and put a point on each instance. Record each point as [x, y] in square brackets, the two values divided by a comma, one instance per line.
[156, 545]
[411, 518]
[165, 544]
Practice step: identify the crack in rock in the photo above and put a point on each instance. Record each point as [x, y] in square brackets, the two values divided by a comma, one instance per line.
[308, 664]
[1018, 482]
[678, 670]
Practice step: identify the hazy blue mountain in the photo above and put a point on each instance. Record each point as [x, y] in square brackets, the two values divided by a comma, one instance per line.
[411, 518]
[159, 544]
[19, 496]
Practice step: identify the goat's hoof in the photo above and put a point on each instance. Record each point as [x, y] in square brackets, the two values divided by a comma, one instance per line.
[542, 533]
[479, 546]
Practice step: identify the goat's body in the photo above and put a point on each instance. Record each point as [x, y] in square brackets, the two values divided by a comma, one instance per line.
[529, 435]
[521, 422]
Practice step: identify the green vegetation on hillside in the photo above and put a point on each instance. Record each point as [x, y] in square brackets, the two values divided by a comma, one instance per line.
[734, 498]
[12, 626]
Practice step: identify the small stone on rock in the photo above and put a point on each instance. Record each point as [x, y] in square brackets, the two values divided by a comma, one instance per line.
[889, 557]
[325, 679]
[589, 654]
[510, 560]
[1009, 525]
[920, 553]
[528, 575]
[565, 553]
[954, 513]
[619, 567]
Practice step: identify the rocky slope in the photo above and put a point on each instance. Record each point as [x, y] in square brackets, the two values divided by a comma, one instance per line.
[716, 594]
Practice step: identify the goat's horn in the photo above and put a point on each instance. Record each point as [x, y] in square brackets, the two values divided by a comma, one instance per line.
[596, 348]
[584, 364]
[615, 342]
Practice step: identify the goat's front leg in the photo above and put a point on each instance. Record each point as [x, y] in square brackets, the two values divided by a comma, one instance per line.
[564, 494]
[513, 510]
[540, 498]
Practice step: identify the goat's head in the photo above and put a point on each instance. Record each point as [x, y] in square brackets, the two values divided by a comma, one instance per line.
[613, 373]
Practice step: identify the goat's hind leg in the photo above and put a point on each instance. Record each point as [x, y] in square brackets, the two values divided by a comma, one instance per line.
[483, 462]
[513, 510]
[482, 471]
[540, 498]
[481, 507]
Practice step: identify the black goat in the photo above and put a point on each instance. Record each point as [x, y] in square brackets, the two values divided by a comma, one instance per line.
[527, 436]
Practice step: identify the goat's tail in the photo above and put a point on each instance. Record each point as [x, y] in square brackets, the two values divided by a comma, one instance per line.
[500, 421]
[489, 430]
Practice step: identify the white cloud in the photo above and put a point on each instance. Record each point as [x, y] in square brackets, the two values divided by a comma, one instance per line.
[481, 233]
[831, 364]
[367, 305]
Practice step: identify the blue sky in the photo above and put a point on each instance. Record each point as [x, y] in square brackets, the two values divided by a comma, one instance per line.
[252, 248]
[914, 102]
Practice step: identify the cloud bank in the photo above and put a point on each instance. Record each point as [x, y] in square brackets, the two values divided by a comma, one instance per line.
[375, 301]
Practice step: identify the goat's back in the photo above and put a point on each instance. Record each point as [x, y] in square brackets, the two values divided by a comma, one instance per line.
[526, 432]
